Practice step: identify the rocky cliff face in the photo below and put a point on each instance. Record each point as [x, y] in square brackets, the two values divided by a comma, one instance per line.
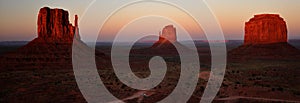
[52, 49]
[265, 38]
[54, 26]
[43, 68]
[265, 29]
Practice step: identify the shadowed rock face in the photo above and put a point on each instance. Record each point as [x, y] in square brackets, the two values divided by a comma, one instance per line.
[265, 29]
[54, 26]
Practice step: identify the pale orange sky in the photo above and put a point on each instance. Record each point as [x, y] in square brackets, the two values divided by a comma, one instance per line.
[18, 18]
[155, 14]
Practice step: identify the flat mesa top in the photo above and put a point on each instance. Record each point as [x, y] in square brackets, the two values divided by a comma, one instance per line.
[48, 8]
[266, 16]
[262, 15]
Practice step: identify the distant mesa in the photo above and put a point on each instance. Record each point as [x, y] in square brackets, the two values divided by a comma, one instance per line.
[265, 38]
[166, 45]
[166, 37]
[168, 33]
[265, 29]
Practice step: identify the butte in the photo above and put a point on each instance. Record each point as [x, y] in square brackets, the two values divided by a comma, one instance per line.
[165, 45]
[167, 39]
[265, 38]
[52, 49]
[167, 42]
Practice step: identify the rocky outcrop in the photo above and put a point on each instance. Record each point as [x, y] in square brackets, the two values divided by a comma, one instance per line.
[52, 49]
[42, 70]
[168, 33]
[166, 37]
[265, 29]
[54, 26]
[265, 38]
[166, 45]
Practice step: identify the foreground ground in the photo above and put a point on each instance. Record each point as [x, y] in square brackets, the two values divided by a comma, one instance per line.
[245, 81]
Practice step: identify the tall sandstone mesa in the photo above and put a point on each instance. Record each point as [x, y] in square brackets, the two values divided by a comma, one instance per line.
[53, 47]
[265, 37]
[265, 29]
[54, 26]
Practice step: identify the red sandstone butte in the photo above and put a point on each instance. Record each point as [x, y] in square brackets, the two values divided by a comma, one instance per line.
[265, 38]
[52, 49]
[54, 26]
[265, 29]
[168, 33]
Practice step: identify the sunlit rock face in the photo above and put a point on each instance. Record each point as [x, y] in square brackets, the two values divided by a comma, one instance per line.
[54, 26]
[265, 38]
[265, 29]
[52, 49]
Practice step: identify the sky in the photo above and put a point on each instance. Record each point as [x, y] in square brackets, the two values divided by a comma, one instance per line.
[19, 17]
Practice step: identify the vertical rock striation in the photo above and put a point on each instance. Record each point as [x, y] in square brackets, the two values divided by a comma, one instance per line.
[265, 29]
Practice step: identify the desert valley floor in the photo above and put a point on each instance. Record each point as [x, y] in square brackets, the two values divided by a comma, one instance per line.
[257, 80]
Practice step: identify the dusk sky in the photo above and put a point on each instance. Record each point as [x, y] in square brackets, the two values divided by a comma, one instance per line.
[19, 17]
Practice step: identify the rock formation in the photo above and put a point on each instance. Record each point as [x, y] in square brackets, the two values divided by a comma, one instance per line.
[54, 26]
[166, 45]
[166, 37]
[53, 47]
[265, 38]
[42, 70]
[265, 29]
[77, 36]
[168, 33]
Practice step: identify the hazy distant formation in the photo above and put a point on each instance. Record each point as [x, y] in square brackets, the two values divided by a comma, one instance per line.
[169, 33]
[168, 40]
[166, 37]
